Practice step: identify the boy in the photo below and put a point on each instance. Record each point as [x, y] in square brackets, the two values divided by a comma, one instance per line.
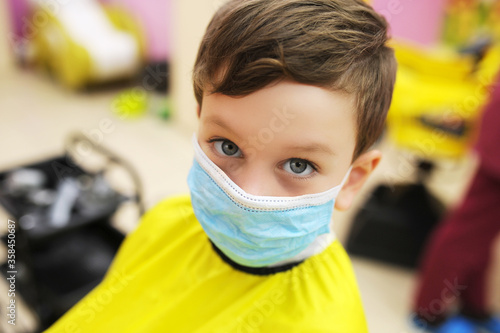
[291, 95]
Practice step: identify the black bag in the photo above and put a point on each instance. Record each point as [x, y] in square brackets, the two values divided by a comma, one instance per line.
[394, 224]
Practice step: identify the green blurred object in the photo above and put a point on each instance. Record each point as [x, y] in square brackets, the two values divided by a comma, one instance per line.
[166, 111]
[160, 105]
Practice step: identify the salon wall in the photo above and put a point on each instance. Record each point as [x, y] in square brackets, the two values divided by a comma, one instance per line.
[189, 28]
[5, 55]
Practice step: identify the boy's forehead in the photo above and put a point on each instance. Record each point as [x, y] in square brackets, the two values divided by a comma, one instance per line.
[290, 91]
[285, 111]
[287, 100]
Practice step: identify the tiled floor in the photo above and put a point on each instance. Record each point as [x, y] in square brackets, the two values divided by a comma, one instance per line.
[36, 116]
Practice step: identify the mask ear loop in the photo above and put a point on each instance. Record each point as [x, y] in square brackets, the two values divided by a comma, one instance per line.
[344, 180]
[342, 183]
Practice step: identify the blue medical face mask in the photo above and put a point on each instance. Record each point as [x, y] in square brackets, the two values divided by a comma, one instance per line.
[252, 230]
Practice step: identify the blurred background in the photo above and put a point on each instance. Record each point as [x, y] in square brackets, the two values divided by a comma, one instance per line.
[97, 112]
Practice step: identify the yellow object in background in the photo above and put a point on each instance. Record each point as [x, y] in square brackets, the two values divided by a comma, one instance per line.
[167, 277]
[467, 20]
[65, 59]
[131, 103]
[123, 21]
[85, 43]
[437, 99]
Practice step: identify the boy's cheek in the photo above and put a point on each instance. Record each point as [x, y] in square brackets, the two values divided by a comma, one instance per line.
[250, 152]
[232, 169]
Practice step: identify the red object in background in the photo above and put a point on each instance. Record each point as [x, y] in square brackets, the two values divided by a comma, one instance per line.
[455, 265]
[489, 137]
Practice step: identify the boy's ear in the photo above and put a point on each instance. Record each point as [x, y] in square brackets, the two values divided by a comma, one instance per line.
[198, 110]
[362, 167]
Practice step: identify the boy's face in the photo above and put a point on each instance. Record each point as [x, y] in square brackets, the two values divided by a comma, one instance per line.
[286, 139]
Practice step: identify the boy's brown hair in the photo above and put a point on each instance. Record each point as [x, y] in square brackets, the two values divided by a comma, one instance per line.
[335, 44]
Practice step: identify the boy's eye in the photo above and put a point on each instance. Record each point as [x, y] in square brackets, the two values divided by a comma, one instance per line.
[228, 148]
[298, 166]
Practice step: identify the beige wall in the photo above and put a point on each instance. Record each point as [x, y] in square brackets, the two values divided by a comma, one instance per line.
[5, 55]
[191, 18]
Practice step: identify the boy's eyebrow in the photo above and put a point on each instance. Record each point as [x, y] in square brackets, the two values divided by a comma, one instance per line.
[312, 148]
[216, 121]
[307, 148]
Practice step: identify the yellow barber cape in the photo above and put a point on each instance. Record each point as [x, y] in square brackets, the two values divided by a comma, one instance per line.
[166, 277]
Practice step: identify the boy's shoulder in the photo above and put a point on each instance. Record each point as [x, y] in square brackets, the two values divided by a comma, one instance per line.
[170, 208]
[160, 225]
[171, 213]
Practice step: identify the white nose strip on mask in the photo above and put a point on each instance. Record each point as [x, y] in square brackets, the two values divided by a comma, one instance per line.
[267, 203]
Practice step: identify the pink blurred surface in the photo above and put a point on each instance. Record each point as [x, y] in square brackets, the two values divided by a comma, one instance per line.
[416, 20]
[19, 9]
[155, 16]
